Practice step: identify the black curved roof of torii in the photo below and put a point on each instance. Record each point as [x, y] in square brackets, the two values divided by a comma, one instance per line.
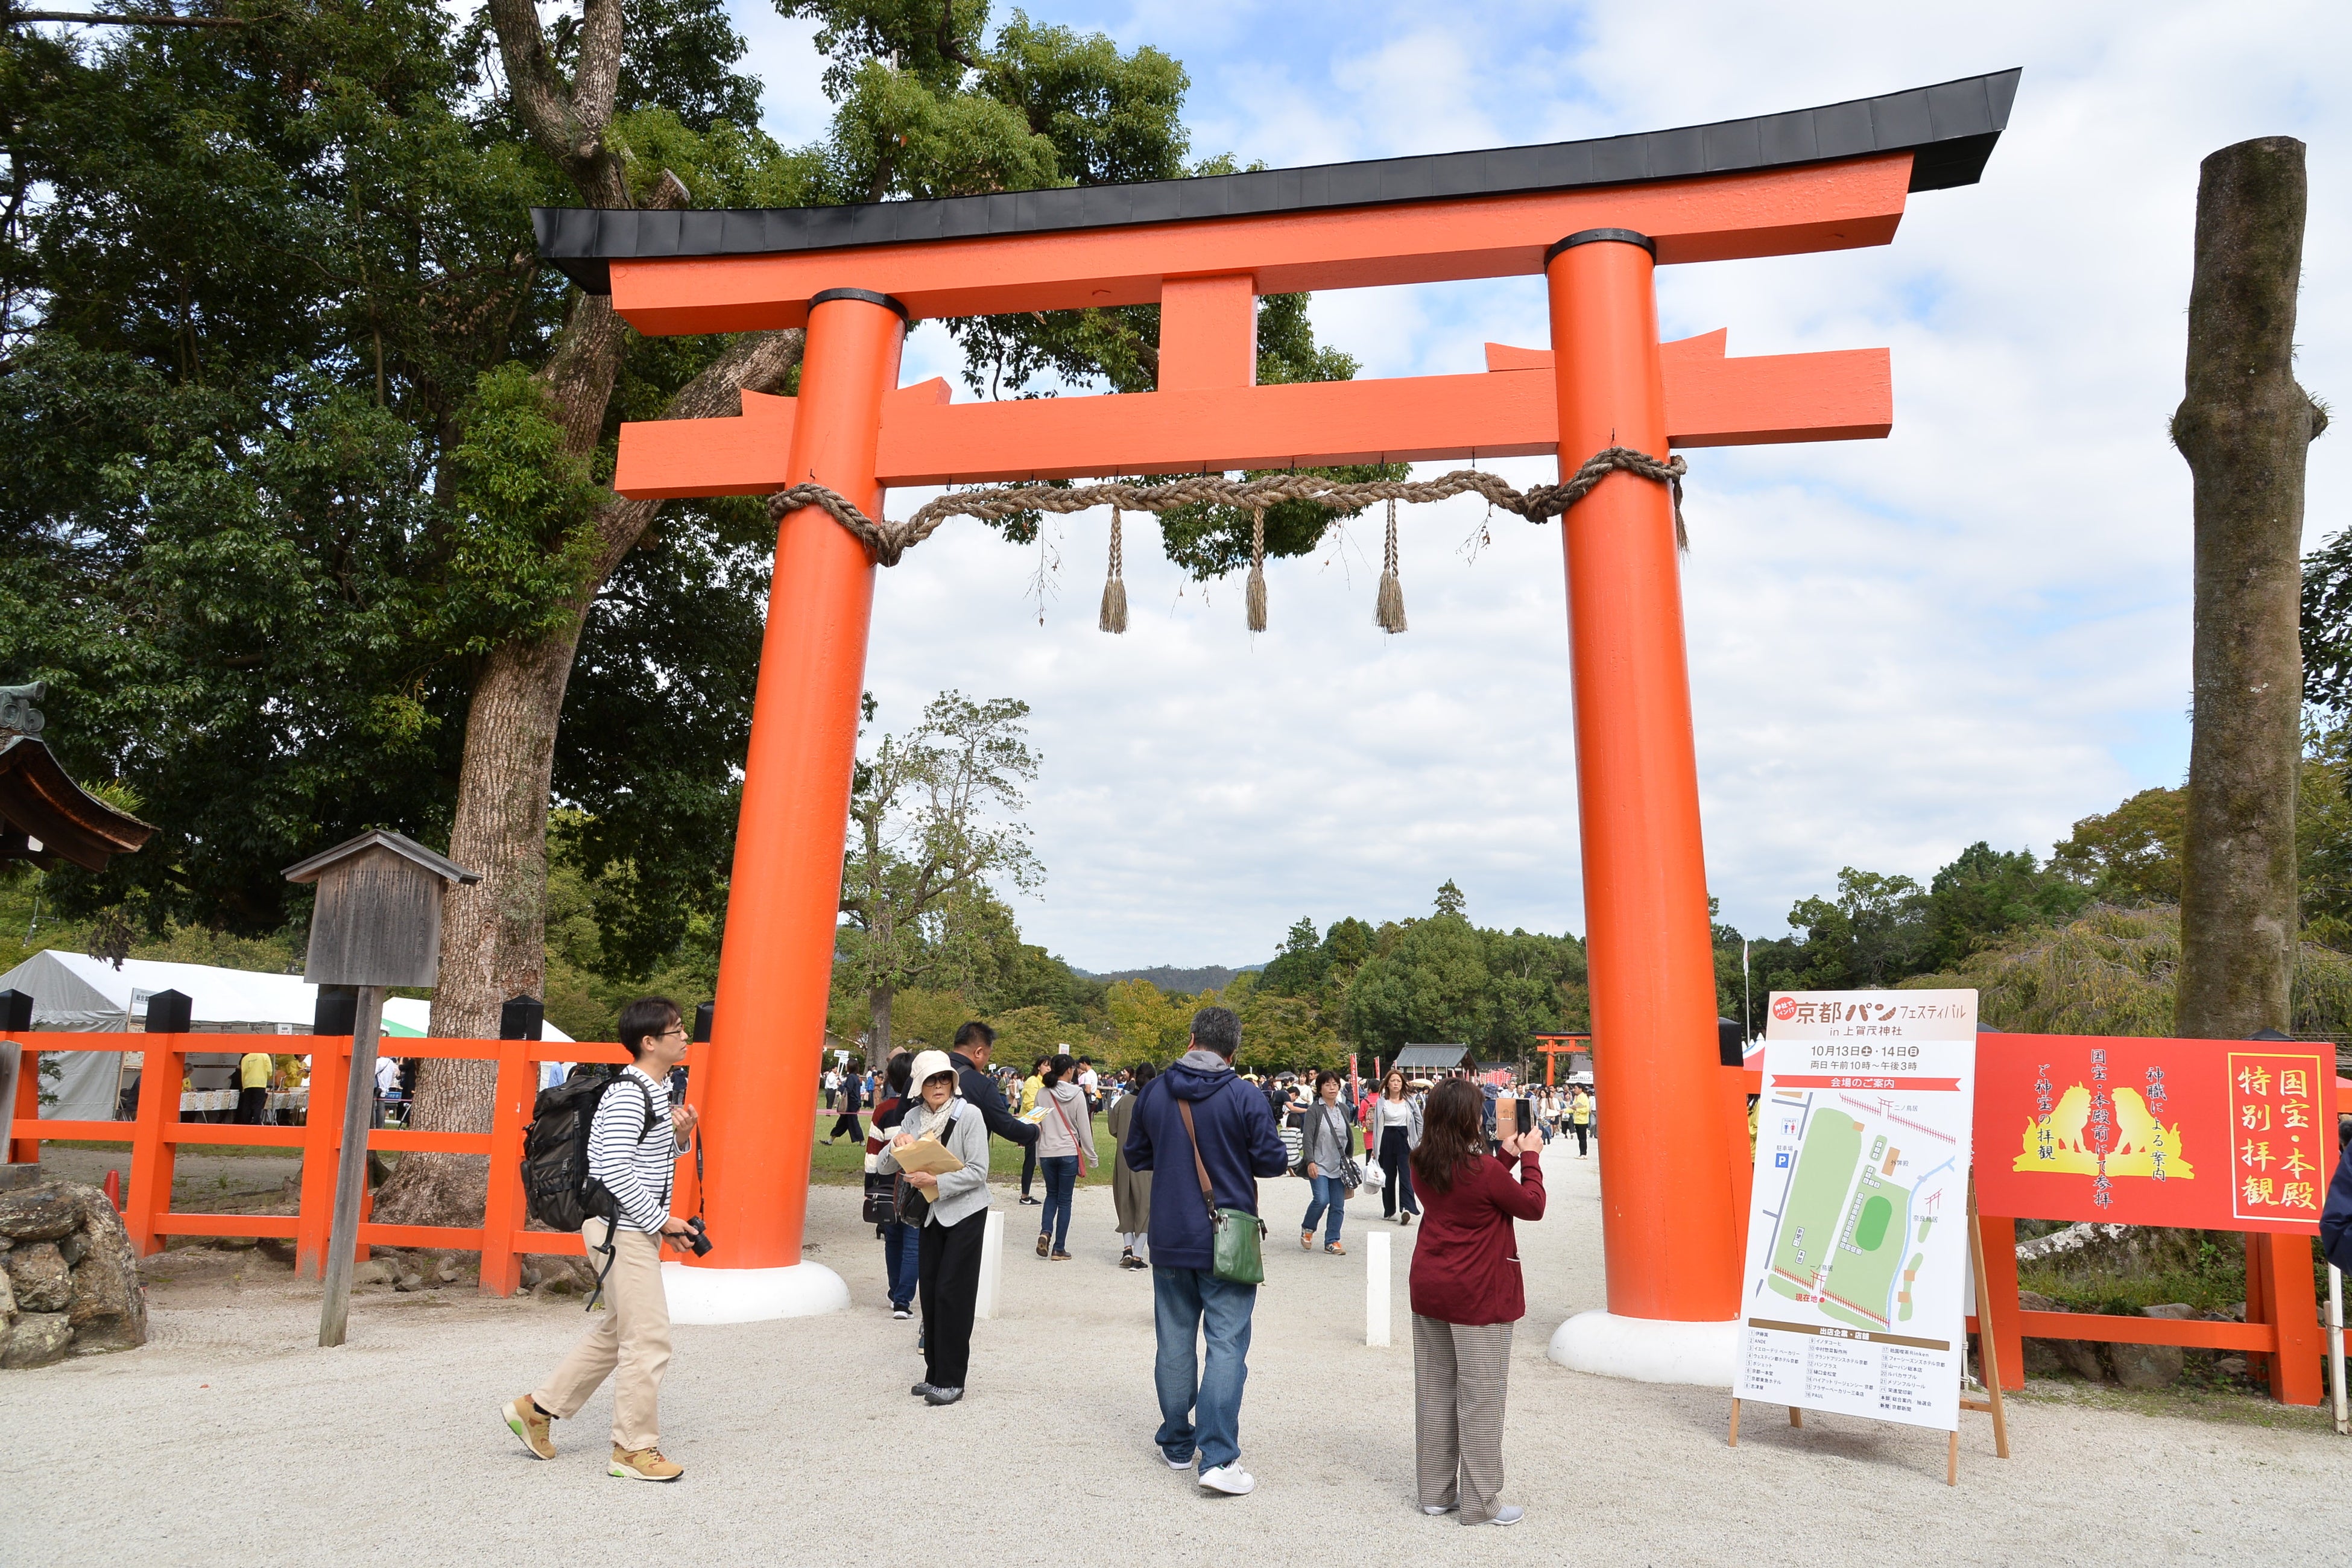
[1950, 129]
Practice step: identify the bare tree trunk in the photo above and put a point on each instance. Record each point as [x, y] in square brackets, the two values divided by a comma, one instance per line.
[878, 1027]
[2244, 428]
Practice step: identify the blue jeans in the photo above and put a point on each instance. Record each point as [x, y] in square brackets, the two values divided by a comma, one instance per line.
[901, 1245]
[1061, 1173]
[1331, 1194]
[1186, 1303]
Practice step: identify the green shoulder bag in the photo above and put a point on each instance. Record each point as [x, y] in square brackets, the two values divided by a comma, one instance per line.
[1235, 1255]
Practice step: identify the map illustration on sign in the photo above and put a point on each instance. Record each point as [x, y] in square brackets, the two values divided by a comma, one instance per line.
[1853, 1231]
[1857, 1240]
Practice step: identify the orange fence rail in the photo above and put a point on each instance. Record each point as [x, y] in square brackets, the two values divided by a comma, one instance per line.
[158, 1134]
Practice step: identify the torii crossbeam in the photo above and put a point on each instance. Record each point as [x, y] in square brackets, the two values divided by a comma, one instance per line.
[1594, 218]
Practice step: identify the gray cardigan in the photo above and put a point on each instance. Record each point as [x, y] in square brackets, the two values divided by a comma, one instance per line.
[962, 1193]
[1324, 1140]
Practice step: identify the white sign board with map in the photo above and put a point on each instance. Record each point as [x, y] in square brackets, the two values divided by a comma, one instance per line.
[1857, 1230]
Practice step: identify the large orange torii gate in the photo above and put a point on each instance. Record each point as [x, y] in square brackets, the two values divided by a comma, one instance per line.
[1594, 218]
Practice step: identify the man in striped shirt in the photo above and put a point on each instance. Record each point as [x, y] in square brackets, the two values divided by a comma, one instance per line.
[633, 1148]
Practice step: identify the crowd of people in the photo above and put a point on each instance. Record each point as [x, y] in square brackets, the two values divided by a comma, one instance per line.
[1460, 1155]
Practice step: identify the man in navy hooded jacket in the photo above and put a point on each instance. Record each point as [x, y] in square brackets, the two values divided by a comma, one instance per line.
[1238, 1144]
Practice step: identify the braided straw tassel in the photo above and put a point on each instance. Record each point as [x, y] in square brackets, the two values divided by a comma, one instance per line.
[1114, 602]
[1257, 571]
[1388, 610]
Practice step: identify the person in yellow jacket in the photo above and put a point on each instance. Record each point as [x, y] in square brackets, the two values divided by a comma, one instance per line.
[1580, 1118]
[1030, 1086]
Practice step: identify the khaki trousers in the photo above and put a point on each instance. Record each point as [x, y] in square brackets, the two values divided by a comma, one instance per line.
[631, 1334]
[1460, 1375]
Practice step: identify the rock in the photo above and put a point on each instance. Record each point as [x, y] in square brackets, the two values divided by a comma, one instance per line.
[72, 1247]
[448, 1272]
[40, 1213]
[108, 1307]
[408, 1282]
[2146, 1367]
[7, 1303]
[43, 1282]
[2230, 1365]
[38, 1338]
[2178, 1311]
[277, 1248]
[371, 1271]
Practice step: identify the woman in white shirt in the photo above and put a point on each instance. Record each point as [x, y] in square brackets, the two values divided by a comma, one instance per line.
[1393, 1135]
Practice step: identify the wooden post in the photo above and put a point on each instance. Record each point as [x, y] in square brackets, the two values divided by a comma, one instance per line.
[1988, 1338]
[502, 1213]
[351, 1166]
[2244, 428]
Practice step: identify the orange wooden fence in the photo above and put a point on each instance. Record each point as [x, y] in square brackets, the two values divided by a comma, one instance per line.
[158, 1134]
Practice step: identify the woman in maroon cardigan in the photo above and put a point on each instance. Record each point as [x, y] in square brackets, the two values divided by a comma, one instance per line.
[1465, 1297]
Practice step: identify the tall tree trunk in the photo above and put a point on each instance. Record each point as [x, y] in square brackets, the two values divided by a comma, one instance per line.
[493, 933]
[2244, 428]
[878, 1027]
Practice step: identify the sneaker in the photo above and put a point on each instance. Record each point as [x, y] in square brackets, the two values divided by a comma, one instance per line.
[1044, 1243]
[1510, 1515]
[942, 1396]
[1032, 1202]
[1404, 1219]
[1334, 1249]
[1436, 1511]
[1230, 1480]
[901, 1313]
[1061, 1257]
[1186, 1463]
[643, 1464]
[920, 1390]
[523, 1419]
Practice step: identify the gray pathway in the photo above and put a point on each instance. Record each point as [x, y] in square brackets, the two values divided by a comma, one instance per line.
[231, 1439]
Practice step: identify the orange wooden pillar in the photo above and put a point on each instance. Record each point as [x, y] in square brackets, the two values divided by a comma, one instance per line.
[322, 1138]
[502, 1210]
[25, 1150]
[2281, 1293]
[1668, 1222]
[1997, 1315]
[153, 1153]
[757, 1089]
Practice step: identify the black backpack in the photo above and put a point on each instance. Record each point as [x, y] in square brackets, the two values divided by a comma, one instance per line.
[556, 1185]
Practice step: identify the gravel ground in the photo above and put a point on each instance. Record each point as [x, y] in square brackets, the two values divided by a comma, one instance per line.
[231, 1439]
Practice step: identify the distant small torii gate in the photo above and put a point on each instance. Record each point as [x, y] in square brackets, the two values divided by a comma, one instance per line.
[1594, 218]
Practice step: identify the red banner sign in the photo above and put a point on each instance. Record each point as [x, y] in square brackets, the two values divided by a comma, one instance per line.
[2217, 1134]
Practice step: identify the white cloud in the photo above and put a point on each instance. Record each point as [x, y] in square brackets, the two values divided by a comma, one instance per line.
[1975, 628]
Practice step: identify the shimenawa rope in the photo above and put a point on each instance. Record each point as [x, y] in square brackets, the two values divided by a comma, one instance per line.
[887, 542]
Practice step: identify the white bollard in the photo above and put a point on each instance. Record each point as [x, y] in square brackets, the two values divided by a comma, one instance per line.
[991, 1265]
[1376, 1288]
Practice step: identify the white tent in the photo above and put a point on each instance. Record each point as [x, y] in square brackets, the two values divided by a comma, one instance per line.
[74, 991]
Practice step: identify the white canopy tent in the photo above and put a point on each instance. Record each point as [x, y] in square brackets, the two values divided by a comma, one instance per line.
[72, 991]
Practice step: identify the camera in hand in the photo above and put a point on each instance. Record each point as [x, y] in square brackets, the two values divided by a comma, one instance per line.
[696, 1238]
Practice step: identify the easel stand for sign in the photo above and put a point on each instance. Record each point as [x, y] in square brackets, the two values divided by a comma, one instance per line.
[1991, 1403]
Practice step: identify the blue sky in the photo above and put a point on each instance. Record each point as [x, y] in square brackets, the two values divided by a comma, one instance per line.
[1977, 629]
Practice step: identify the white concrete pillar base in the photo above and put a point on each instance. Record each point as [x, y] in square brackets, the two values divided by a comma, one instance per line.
[1648, 1349]
[752, 1295]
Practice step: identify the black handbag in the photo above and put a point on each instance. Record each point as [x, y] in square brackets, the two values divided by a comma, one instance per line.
[881, 1198]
